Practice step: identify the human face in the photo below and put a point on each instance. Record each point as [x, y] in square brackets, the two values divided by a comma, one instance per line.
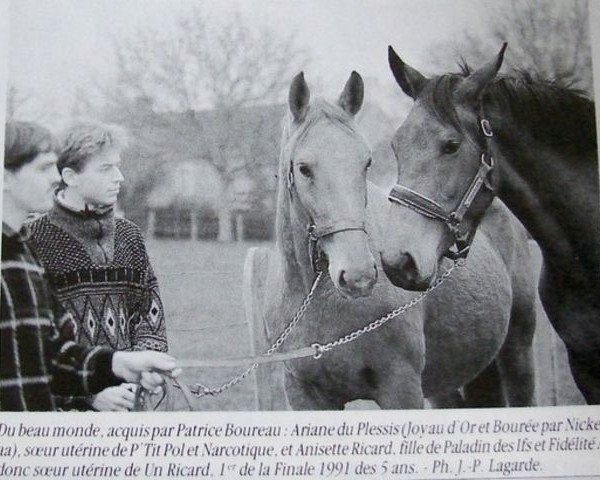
[99, 182]
[31, 187]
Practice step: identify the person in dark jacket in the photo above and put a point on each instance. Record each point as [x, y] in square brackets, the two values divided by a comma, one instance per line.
[38, 353]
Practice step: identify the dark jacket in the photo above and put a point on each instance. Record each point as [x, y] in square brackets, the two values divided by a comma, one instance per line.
[38, 354]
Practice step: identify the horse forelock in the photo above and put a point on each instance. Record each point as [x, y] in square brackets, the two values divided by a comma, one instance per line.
[294, 133]
[439, 100]
[319, 110]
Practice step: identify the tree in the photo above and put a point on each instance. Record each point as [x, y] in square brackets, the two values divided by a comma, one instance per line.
[23, 104]
[224, 69]
[547, 38]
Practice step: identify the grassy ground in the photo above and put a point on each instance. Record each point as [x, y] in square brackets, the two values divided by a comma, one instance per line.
[201, 285]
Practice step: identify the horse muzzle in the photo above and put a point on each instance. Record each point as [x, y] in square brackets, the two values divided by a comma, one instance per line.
[352, 267]
[405, 273]
[353, 284]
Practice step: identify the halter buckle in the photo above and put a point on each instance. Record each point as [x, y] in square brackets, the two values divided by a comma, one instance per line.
[311, 232]
[489, 168]
[315, 256]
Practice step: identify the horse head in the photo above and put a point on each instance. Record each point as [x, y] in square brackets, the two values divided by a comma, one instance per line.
[446, 176]
[325, 163]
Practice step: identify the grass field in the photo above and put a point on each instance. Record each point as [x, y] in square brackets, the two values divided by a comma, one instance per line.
[201, 286]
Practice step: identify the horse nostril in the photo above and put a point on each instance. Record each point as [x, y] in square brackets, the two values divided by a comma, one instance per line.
[407, 264]
[375, 273]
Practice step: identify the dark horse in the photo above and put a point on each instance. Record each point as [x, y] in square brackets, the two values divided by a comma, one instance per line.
[472, 136]
[476, 329]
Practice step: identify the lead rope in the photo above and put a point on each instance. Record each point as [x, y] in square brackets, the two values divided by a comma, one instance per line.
[317, 349]
[202, 390]
[199, 391]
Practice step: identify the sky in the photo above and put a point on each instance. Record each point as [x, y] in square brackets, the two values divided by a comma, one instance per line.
[59, 45]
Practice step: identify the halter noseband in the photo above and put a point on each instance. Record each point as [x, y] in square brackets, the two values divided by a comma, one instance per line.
[453, 220]
[315, 233]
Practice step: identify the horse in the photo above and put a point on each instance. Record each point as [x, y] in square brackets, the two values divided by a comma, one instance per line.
[467, 344]
[474, 136]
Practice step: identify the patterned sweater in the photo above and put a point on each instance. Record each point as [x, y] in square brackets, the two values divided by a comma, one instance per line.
[99, 268]
[38, 356]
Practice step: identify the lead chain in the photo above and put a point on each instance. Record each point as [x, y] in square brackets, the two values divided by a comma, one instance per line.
[202, 390]
[320, 349]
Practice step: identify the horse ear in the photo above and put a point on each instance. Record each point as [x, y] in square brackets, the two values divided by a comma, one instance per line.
[299, 97]
[409, 79]
[353, 94]
[471, 88]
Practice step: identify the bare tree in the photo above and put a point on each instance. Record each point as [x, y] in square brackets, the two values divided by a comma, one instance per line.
[545, 37]
[212, 74]
[23, 104]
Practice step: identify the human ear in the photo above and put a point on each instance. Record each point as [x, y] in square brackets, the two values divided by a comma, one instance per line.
[69, 177]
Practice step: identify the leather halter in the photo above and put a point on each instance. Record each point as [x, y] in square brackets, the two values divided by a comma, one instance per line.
[463, 237]
[315, 233]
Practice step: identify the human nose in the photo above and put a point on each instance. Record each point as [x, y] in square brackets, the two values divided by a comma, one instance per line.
[119, 176]
[55, 177]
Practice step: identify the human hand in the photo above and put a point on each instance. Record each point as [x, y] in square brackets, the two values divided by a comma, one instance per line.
[114, 399]
[144, 367]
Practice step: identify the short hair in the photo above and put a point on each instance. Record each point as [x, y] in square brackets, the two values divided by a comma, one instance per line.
[83, 140]
[24, 141]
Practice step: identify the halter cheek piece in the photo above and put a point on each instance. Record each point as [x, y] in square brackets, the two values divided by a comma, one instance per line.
[463, 237]
[315, 233]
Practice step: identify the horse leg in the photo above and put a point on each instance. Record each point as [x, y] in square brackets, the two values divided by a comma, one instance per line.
[485, 390]
[515, 359]
[306, 396]
[586, 373]
[401, 392]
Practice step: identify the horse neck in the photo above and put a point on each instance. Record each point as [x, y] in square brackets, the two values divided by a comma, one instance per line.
[555, 197]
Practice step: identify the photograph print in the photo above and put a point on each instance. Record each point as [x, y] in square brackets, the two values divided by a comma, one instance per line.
[299, 206]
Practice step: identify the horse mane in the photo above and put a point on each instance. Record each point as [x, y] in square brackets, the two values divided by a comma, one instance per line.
[554, 113]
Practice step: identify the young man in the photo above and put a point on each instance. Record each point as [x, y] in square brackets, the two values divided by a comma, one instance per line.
[38, 355]
[97, 264]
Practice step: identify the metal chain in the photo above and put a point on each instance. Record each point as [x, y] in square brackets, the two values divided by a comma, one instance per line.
[320, 349]
[202, 390]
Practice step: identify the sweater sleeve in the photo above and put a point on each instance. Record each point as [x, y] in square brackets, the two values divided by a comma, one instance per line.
[151, 333]
[77, 369]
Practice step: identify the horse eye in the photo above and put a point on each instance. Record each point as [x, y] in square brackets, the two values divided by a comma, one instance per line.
[450, 147]
[305, 171]
[369, 163]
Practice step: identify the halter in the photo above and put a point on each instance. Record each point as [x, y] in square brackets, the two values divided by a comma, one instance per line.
[315, 233]
[463, 237]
